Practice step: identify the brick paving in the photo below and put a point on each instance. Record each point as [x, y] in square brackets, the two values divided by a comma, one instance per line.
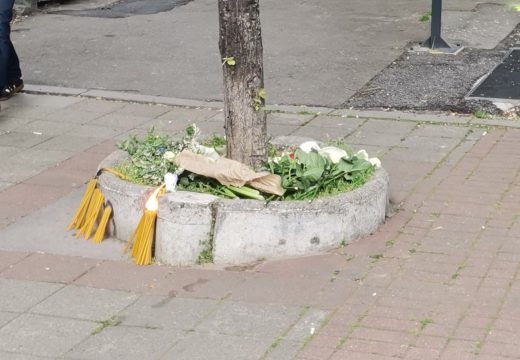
[439, 280]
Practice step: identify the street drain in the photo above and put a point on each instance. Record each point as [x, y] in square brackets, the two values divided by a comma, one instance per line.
[127, 8]
[503, 83]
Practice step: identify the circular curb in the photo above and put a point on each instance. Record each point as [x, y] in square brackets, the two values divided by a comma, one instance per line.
[193, 225]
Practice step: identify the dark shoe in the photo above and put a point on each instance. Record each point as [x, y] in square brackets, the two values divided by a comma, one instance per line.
[7, 92]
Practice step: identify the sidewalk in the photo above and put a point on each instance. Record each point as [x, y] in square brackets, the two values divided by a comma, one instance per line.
[438, 281]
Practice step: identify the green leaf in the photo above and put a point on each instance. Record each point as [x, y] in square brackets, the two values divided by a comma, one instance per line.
[345, 166]
[313, 174]
[311, 160]
[360, 165]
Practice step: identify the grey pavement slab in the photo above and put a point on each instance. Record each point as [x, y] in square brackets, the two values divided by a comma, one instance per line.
[43, 335]
[126, 343]
[19, 296]
[85, 303]
[46, 231]
[6, 316]
[252, 320]
[169, 313]
[18, 356]
[287, 349]
[211, 346]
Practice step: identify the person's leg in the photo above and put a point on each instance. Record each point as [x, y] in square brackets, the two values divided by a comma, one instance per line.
[6, 13]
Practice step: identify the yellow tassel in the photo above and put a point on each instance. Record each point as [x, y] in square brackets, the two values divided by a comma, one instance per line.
[92, 214]
[143, 238]
[102, 227]
[80, 216]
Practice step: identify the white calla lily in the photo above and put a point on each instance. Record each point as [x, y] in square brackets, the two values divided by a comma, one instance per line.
[308, 146]
[375, 162]
[361, 154]
[332, 153]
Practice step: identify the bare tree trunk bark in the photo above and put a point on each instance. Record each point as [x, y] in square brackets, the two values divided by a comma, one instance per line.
[241, 43]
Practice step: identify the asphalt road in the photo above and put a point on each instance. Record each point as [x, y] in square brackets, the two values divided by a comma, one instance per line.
[316, 52]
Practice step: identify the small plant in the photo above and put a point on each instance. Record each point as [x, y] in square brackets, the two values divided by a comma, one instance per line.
[260, 100]
[426, 16]
[230, 60]
[206, 255]
[103, 324]
[480, 114]
[423, 323]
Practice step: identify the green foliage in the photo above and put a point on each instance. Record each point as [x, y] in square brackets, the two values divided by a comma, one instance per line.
[147, 164]
[426, 16]
[230, 60]
[479, 114]
[307, 176]
[260, 100]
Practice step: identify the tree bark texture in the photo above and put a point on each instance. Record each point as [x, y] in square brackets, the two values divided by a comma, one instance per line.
[245, 119]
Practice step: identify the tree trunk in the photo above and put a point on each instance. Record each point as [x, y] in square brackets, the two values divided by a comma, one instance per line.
[245, 119]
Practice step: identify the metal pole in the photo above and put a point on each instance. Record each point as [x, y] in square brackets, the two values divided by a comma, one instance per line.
[435, 41]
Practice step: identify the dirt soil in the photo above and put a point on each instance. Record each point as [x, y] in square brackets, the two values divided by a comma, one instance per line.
[434, 82]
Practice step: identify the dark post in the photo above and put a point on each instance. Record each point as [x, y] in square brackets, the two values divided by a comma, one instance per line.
[435, 41]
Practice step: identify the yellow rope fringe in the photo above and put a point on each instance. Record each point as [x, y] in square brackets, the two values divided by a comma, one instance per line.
[142, 238]
[102, 227]
[80, 216]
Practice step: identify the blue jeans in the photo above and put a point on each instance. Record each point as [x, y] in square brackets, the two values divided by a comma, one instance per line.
[9, 63]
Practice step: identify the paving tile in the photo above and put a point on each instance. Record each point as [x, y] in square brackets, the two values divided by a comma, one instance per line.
[22, 199]
[308, 325]
[18, 356]
[96, 105]
[19, 296]
[9, 258]
[389, 126]
[28, 111]
[95, 131]
[5, 317]
[322, 133]
[336, 122]
[43, 335]
[218, 347]
[184, 115]
[46, 128]
[116, 275]
[74, 116]
[441, 131]
[288, 119]
[85, 303]
[252, 320]
[22, 140]
[270, 288]
[168, 313]
[120, 121]
[126, 343]
[9, 123]
[68, 143]
[60, 178]
[286, 350]
[362, 136]
[373, 347]
[146, 110]
[49, 268]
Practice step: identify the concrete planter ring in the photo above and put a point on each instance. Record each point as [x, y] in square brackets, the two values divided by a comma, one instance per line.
[243, 231]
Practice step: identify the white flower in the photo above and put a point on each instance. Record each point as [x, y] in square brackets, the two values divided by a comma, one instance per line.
[375, 162]
[361, 154]
[276, 159]
[208, 152]
[334, 154]
[170, 180]
[308, 146]
[169, 156]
